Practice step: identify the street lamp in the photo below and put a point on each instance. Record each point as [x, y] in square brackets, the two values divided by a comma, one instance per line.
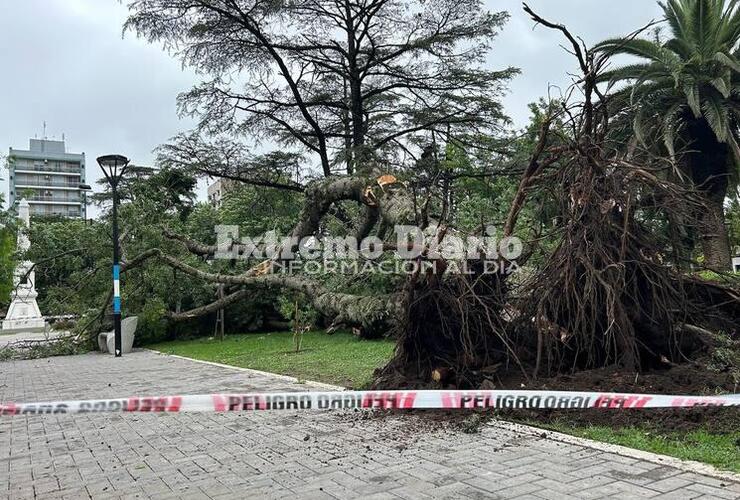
[84, 189]
[114, 166]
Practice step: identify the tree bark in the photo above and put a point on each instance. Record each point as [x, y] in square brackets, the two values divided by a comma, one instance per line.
[709, 163]
[377, 314]
[715, 240]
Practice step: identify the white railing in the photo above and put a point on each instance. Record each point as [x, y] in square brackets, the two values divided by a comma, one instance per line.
[22, 182]
[50, 168]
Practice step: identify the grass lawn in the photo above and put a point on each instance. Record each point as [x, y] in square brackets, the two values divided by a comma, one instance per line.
[720, 450]
[340, 359]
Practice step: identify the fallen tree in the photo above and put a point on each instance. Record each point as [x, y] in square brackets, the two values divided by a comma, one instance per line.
[606, 294]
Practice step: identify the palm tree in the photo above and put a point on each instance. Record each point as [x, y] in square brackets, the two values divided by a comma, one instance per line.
[685, 91]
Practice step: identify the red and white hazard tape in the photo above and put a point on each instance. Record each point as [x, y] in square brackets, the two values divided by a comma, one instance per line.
[371, 399]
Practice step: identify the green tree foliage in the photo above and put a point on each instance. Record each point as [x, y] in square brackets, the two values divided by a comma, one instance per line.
[257, 210]
[685, 92]
[71, 257]
[73, 272]
[7, 254]
[488, 199]
[74, 256]
[167, 191]
[331, 79]
[733, 222]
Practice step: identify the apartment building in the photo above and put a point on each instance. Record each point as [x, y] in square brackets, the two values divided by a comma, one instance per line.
[49, 178]
[218, 190]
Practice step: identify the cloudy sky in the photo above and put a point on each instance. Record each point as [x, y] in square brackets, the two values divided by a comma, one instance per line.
[65, 62]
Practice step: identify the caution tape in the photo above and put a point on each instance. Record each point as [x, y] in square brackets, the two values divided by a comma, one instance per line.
[369, 400]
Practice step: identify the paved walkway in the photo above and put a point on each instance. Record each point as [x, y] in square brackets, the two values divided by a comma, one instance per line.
[285, 454]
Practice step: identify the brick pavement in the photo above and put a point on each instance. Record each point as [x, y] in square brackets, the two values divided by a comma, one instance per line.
[286, 454]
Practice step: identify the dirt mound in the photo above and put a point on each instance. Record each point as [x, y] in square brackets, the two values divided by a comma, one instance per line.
[689, 379]
[679, 380]
[712, 420]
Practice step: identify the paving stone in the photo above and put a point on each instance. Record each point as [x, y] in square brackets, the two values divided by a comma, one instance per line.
[669, 484]
[712, 491]
[266, 455]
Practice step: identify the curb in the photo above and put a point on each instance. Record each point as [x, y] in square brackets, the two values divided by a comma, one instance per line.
[285, 378]
[676, 463]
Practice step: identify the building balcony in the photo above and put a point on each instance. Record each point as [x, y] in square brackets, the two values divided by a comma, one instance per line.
[42, 200]
[57, 211]
[67, 169]
[44, 184]
[28, 170]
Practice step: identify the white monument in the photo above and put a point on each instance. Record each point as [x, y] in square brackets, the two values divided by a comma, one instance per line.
[24, 313]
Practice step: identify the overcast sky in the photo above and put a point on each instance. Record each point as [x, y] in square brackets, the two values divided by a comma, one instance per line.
[64, 62]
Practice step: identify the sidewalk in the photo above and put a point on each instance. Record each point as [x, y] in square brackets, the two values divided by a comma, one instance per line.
[290, 454]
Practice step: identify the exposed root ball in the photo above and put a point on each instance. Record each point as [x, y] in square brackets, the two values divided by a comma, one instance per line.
[453, 334]
[605, 296]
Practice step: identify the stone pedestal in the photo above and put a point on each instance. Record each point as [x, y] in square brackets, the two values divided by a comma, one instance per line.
[24, 313]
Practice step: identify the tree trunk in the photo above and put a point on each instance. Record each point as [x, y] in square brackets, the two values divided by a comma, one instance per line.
[715, 241]
[710, 172]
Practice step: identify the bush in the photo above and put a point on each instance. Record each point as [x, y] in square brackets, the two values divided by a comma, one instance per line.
[152, 324]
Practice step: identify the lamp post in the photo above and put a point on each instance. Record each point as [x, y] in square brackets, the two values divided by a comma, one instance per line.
[84, 189]
[114, 166]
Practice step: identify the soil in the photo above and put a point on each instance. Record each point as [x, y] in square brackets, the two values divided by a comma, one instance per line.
[689, 379]
[678, 380]
[712, 420]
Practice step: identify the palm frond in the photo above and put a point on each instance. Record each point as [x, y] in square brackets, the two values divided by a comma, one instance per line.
[735, 170]
[722, 84]
[693, 97]
[697, 70]
[701, 22]
[730, 31]
[640, 48]
[645, 71]
[639, 129]
[671, 125]
[680, 47]
[728, 60]
[674, 15]
[709, 25]
[717, 115]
